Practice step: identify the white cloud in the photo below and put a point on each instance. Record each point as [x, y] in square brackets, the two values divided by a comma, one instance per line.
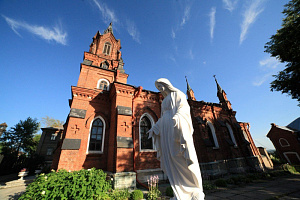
[107, 14]
[270, 63]
[191, 54]
[55, 33]
[172, 58]
[230, 4]
[212, 22]
[186, 16]
[184, 19]
[173, 34]
[250, 15]
[260, 80]
[132, 30]
[269, 66]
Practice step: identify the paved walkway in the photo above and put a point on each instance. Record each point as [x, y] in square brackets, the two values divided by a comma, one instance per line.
[12, 192]
[287, 187]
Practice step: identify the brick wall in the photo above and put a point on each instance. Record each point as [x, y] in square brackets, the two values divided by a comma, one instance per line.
[293, 148]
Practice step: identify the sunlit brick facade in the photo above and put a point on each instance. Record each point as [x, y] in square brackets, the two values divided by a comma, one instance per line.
[108, 120]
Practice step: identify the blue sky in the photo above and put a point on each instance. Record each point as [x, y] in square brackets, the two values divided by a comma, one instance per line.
[42, 45]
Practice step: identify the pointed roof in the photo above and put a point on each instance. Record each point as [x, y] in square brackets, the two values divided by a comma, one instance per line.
[96, 35]
[188, 85]
[109, 29]
[218, 86]
[295, 124]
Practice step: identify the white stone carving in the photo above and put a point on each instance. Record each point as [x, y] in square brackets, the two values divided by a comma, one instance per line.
[173, 137]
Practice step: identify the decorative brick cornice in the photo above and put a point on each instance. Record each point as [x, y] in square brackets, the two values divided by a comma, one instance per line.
[88, 94]
[124, 89]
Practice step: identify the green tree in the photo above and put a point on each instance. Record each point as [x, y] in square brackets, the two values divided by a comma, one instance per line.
[285, 46]
[18, 145]
[20, 138]
[51, 122]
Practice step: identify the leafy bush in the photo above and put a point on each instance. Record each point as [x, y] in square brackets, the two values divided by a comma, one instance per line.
[289, 168]
[169, 191]
[83, 184]
[118, 195]
[237, 180]
[137, 195]
[253, 176]
[208, 186]
[220, 183]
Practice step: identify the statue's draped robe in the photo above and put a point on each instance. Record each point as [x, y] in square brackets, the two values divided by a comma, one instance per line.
[175, 147]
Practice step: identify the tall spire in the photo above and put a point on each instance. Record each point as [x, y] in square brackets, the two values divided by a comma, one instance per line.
[190, 92]
[188, 85]
[218, 86]
[109, 29]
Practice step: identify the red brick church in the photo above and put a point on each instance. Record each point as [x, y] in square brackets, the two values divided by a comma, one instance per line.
[108, 121]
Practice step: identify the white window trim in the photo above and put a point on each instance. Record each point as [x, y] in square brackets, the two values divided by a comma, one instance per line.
[53, 137]
[103, 137]
[212, 128]
[231, 134]
[102, 79]
[287, 158]
[282, 139]
[152, 124]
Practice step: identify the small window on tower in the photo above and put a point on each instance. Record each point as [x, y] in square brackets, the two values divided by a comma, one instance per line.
[106, 49]
[53, 136]
[103, 84]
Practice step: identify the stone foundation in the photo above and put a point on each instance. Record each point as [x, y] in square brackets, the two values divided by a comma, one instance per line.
[144, 175]
[232, 166]
[128, 180]
[123, 180]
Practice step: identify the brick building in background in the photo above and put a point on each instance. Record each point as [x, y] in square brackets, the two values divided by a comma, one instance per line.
[108, 121]
[50, 139]
[286, 140]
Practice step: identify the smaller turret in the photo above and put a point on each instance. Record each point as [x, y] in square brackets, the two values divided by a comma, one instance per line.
[190, 92]
[109, 29]
[222, 96]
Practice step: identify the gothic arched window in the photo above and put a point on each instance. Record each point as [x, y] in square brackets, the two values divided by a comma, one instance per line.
[212, 134]
[145, 126]
[106, 48]
[96, 139]
[231, 136]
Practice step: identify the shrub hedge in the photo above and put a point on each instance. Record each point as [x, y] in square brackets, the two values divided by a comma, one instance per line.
[83, 184]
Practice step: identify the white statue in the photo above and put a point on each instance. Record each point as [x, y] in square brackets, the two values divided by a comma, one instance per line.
[173, 137]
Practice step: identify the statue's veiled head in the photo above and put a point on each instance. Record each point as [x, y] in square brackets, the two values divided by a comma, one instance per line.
[164, 86]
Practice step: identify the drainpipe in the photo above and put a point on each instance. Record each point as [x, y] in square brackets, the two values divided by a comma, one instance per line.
[139, 91]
